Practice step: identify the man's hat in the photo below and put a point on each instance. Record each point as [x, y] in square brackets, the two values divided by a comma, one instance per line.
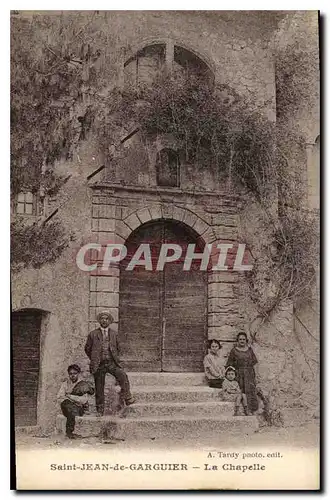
[105, 313]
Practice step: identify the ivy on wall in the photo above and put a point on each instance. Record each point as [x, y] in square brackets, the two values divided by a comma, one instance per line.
[295, 72]
[285, 269]
[209, 126]
[52, 67]
[35, 245]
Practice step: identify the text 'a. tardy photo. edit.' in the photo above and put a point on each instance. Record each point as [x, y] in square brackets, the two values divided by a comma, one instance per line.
[165, 250]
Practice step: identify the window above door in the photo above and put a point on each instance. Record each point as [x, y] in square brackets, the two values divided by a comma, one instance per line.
[168, 168]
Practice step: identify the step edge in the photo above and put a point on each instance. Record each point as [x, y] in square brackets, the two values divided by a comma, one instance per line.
[182, 403]
[174, 388]
[188, 418]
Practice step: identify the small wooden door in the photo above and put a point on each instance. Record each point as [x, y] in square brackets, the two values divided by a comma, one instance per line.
[26, 361]
[162, 314]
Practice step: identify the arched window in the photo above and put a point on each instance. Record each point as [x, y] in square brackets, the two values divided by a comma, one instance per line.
[168, 168]
[150, 62]
[190, 64]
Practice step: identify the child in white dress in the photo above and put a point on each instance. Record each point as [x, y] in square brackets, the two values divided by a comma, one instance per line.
[232, 391]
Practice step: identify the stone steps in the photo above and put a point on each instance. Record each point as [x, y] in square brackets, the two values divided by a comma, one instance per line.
[176, 394]
[186, 379]
[166, 394]
[197, 409]
[160, 427]
[173, 405]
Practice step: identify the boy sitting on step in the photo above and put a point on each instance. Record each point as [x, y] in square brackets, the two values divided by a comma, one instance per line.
[72, 398]
[232, 391]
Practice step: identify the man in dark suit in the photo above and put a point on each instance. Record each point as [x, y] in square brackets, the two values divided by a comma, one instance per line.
[102, 349]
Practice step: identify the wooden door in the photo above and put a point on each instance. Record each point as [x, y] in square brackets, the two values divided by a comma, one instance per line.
[162, 314]
[26, 361]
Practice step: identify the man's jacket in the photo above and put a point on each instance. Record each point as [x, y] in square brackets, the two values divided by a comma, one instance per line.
[93, 348]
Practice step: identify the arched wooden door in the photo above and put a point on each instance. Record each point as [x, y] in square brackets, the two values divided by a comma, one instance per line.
[26, 361]
[162, 314]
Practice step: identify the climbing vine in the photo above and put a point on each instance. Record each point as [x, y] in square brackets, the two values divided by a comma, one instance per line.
[52, 64]
[208, 126]
[294, 72]
[53, 69]
[286, 266]
[33, 245]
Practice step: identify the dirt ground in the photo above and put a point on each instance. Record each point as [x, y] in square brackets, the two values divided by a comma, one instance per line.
[298, 436]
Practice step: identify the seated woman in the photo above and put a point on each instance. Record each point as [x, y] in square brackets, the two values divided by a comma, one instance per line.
[213, 365]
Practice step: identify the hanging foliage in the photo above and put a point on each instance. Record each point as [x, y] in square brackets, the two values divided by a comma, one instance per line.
[52, 68]
[286, 267]
[209, 127]
[295, 70]
[35, 245]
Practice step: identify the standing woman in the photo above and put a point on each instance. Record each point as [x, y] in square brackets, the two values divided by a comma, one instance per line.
[243, 359]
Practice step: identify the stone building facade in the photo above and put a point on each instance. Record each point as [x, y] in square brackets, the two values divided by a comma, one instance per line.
[61, 301]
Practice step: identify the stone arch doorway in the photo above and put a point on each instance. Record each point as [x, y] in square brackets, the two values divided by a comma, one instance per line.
[163, 314]
[26, 328]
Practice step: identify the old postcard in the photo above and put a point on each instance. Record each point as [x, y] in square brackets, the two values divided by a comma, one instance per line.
[165, 249]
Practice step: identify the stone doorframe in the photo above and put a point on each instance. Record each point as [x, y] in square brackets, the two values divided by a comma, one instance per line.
[115, 217]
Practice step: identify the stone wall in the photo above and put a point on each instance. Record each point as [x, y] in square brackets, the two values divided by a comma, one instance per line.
[61, 290]
[300, 29]
[287, 342]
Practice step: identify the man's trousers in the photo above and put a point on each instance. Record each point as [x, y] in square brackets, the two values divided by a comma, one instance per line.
[99, 378]
[70, 410]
